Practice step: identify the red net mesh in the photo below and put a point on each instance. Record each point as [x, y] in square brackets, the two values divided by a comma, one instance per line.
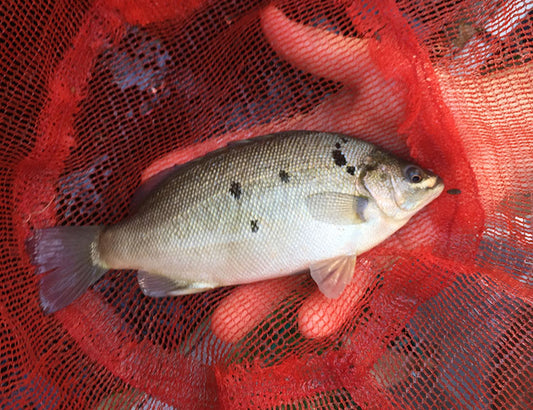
[98, 96]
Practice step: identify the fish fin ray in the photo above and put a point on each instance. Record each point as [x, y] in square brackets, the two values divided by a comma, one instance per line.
[62, 255]
[193, 288]
[337, 208]
[150, 185]
[158, 286]
[333, 275]
[266, 137]
[239, 143]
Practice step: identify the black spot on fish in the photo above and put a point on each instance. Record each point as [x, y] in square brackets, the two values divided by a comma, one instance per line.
[254, 225]
[338, 145]
[350, 170]
[235, 190]
[284, 176]
[453, 191]
[339, 158]
[344, 140]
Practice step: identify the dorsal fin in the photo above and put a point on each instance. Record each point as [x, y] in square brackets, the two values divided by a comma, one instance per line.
[148, 186]
[239, 143]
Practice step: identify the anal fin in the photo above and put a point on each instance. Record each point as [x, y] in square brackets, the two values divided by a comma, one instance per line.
[332, 275]
[158, 286]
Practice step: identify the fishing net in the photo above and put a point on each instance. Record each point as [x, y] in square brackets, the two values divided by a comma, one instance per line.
[95, 97]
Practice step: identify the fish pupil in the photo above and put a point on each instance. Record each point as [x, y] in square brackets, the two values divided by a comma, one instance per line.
[414, 174]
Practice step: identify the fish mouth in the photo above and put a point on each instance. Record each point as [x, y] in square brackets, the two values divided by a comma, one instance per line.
[435, 189]
[437, 182]
[438, 186]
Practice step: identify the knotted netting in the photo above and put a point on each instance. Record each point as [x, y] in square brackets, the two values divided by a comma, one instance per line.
[96, 97]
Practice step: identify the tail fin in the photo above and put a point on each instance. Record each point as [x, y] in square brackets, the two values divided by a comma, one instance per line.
[63, 258]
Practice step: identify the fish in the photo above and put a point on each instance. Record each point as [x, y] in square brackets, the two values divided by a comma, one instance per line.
[258, 209]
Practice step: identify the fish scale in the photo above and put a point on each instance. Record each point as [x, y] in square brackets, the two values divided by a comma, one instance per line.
[255, 210]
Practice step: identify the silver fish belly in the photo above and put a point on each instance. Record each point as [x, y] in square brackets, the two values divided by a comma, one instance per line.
[265, 208]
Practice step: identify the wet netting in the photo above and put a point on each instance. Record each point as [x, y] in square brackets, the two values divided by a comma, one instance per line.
[97, 96]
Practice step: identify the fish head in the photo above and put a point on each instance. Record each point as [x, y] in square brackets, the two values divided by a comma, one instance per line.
[399, 188]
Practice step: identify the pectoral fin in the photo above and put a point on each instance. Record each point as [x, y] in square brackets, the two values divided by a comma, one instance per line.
[337, 208]
[333, 275]
[159, 286]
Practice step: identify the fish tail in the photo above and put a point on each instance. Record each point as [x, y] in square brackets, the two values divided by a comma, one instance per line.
[65, 263]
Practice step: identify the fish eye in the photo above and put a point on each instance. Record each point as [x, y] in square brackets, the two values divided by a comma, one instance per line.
[414, 174]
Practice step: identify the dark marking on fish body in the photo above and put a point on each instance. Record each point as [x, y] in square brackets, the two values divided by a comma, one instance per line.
[235, 190]
[338, 156]
[453, 191]
[337, 145]
[254, 225]
[344, 140]
[350, 170]
[284, 176]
